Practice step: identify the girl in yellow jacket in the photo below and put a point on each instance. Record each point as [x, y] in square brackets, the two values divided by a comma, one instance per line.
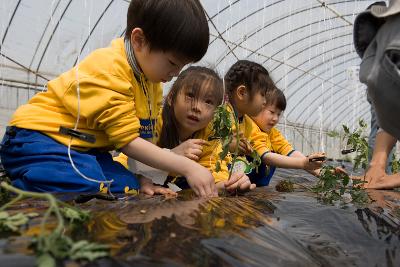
[60, 140]
[185, 127]
[248, 86]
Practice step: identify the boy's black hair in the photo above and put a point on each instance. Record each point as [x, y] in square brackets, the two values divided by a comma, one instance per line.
[193, 78]
[177, 26]
[277, 98]
[250, 74]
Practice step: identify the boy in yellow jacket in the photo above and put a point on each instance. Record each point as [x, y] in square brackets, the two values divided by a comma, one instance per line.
[60, 140]
[281, 153]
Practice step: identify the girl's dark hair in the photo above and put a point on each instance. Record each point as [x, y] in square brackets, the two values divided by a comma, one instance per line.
[277, 98]
[177, 26]
[193, 78]
[250, 74]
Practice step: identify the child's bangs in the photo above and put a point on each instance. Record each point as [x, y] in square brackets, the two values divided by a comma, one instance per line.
[205, 85]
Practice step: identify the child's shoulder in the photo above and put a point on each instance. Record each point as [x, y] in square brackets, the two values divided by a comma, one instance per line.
[274, 132]
[109, 60]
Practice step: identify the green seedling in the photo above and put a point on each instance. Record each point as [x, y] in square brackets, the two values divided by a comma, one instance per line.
[333, 186]
[357, 140]
[222, 128]
[54, 247]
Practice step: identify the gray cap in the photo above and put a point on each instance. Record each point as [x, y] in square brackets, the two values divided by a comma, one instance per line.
[367, 23]
[384, 12]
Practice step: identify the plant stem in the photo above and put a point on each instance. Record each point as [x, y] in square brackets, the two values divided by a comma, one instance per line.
[24, 194]
[237, 145]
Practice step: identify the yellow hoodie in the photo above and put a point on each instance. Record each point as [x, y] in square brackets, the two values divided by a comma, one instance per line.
[277, 143]
[113, 105]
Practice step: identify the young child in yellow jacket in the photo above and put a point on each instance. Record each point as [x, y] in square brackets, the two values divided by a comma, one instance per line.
[281, 152]
[60, 140]
[186, 126]
[248, 85]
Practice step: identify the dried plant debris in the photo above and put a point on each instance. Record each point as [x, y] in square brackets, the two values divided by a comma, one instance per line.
[284, 186]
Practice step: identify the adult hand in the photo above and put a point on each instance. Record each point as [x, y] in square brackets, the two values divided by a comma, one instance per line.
[191, 148]
[377, 178]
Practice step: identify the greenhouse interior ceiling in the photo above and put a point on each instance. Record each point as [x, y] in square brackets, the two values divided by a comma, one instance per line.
[306, 45]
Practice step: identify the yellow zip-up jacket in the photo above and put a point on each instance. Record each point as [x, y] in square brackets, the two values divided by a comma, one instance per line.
[251, 131]
[113, 106]
[277, 143]
[208, 158]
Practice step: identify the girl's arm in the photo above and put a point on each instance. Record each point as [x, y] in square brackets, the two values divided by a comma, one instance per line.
[198, 177]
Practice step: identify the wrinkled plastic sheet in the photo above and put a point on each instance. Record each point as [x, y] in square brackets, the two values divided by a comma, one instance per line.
[260, 228]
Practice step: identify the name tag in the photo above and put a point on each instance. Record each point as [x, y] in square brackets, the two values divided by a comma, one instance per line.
[147, 128]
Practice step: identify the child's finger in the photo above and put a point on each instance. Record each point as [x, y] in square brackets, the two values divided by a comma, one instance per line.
[242, 148]
[232, 187]
[202, 192]
[245, 185]
[236, 176]
[252, 186]
[148, 191]
[200, 142]
[196, 146]
[193, 157]
[196, 151]
[164, 191]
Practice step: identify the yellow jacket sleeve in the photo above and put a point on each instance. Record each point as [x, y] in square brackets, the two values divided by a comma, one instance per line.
[279, 143]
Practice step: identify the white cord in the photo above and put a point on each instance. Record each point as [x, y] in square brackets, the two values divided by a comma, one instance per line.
[70, 141]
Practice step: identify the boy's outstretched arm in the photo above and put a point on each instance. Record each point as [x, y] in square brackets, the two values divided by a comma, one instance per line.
[282, 161]
[298, 154]
[198, 177]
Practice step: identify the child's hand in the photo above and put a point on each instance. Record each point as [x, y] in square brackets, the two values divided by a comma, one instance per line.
[244, 146]
[239, 181]
[191, 148]
[147, 187]
[201, 181]
[313, 165]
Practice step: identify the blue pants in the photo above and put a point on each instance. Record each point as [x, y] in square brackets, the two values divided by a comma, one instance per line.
[261, 176]
[36, 162]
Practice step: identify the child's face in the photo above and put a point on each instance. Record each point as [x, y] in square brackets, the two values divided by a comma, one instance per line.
[268, 117]
[193, 114]
[251, 106]
[159, 66]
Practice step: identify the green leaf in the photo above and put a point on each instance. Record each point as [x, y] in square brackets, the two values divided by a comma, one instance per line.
[46, 260]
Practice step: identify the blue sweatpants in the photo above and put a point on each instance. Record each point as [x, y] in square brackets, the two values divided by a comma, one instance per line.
[262, 176]
[36, 162]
